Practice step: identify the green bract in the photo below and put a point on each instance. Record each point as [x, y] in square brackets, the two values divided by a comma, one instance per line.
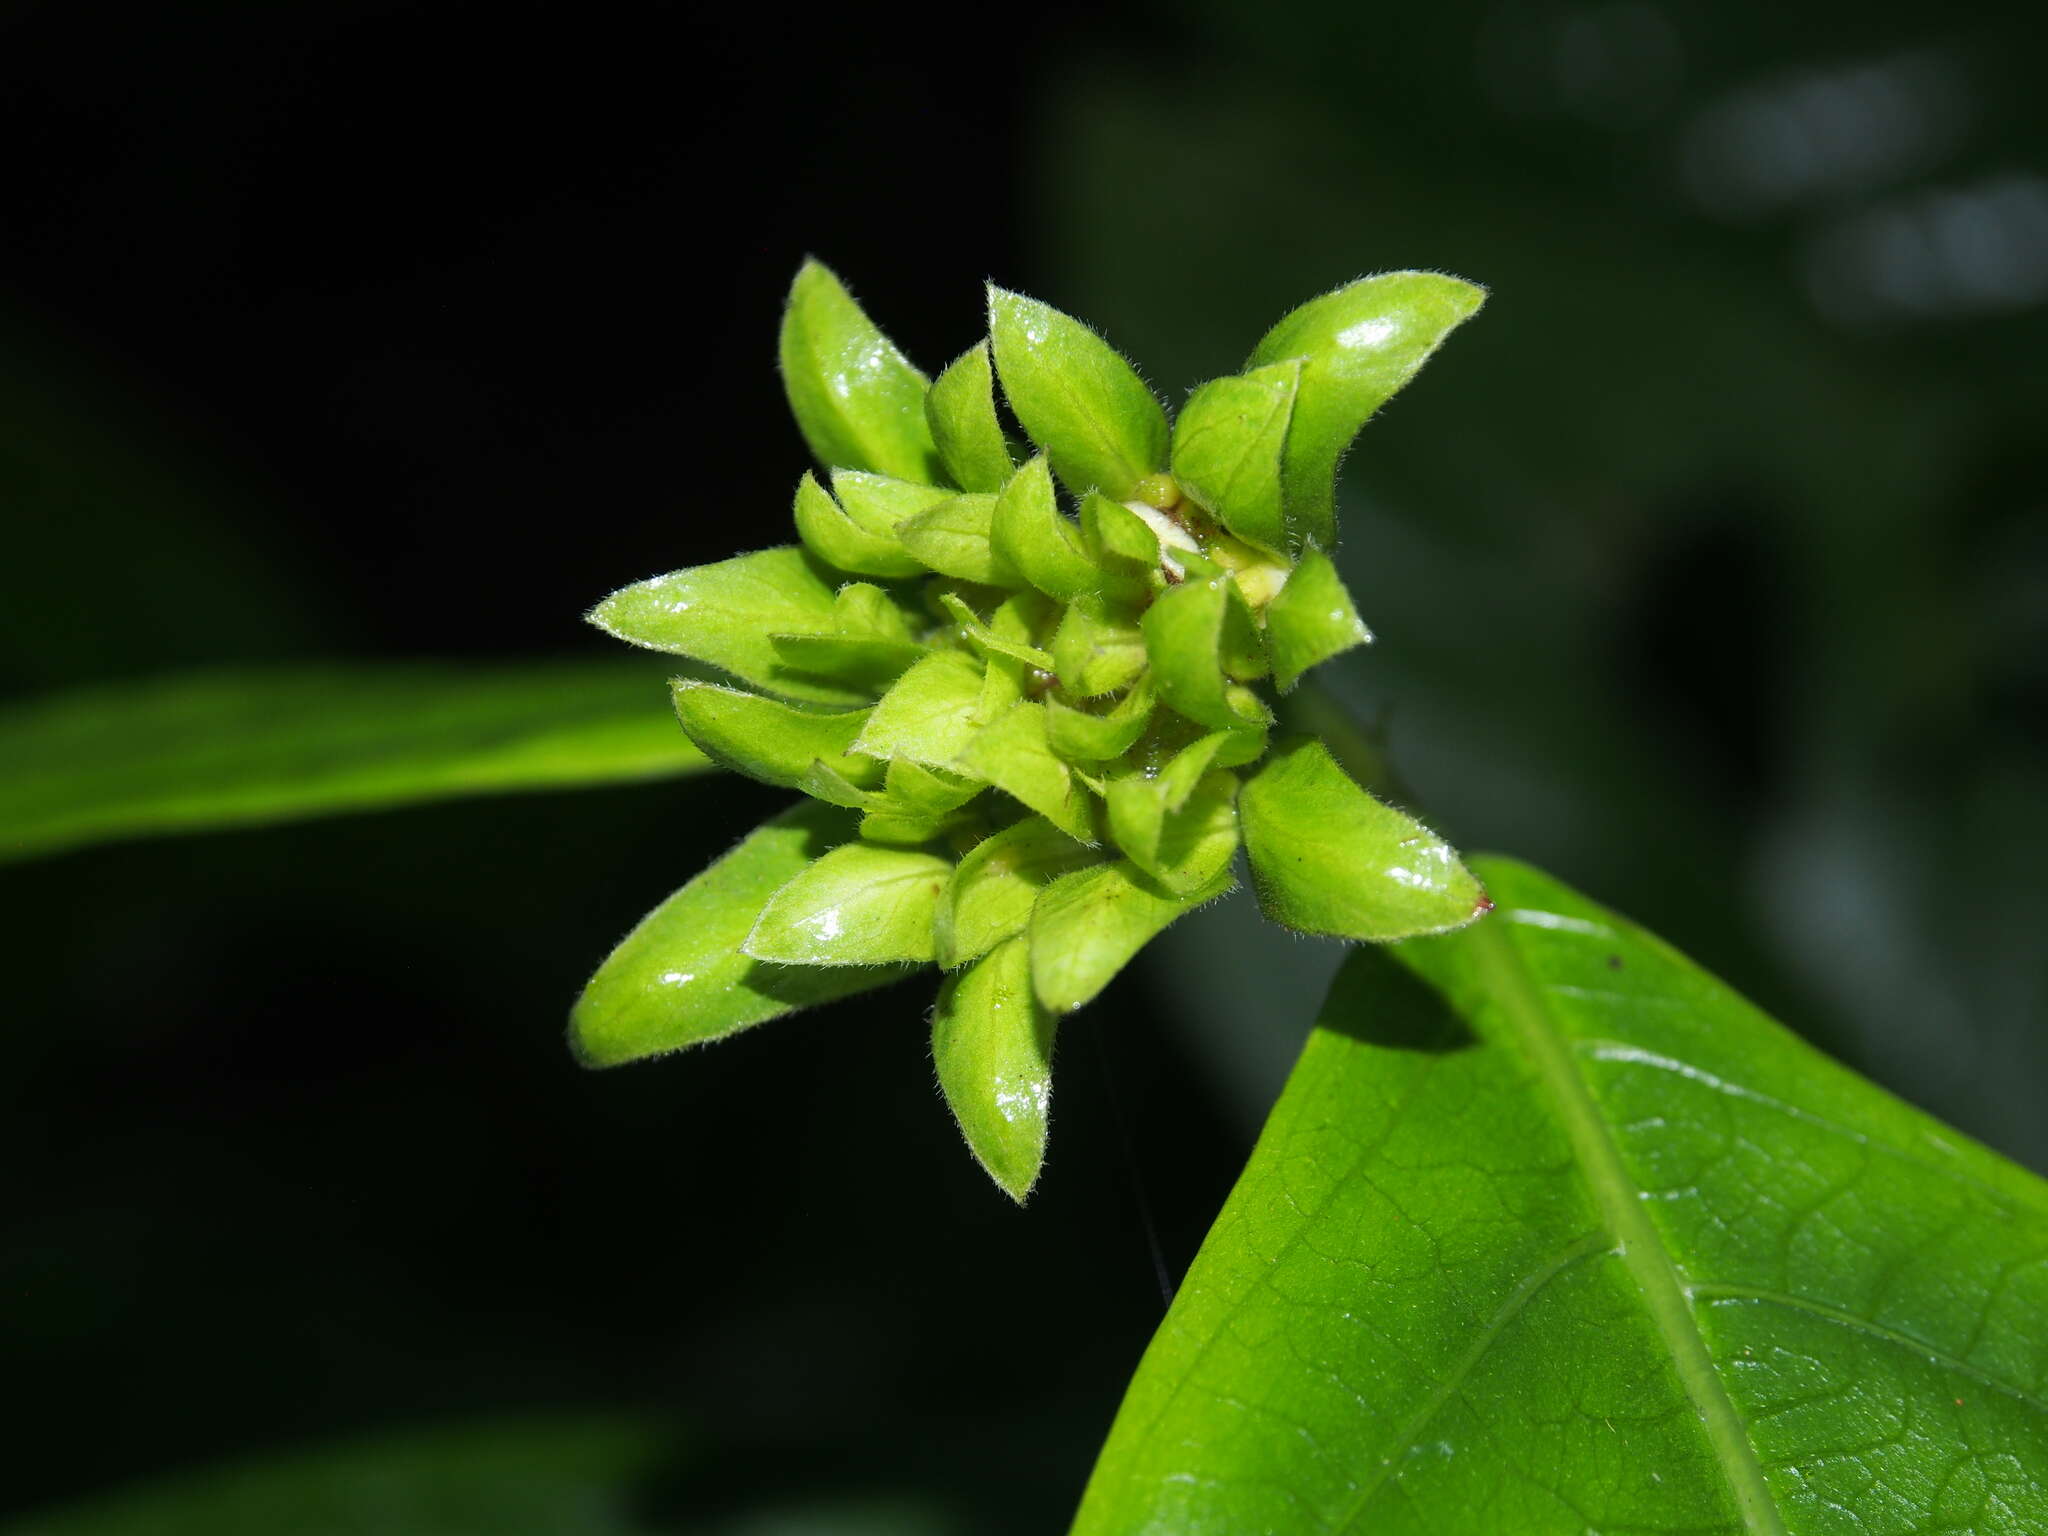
[1035, 735]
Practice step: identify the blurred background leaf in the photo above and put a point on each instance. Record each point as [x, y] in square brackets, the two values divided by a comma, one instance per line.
[1708, 566]
[235, 748]
[537, 1476]
[522, 1478]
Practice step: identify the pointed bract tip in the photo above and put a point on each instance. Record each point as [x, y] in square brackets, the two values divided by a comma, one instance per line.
[584, 1050]
[1482, 906]
[810, 277]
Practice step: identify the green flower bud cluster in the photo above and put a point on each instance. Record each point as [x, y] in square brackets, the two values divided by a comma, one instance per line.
[1031, 734]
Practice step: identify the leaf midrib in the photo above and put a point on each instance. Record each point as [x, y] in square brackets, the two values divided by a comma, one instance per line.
[1619, 1202]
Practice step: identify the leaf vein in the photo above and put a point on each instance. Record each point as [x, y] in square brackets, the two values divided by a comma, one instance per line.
[1297, 1238]
[1635, 1056]
[1598, 1241]
[1618, 1199]
[1875, 1330]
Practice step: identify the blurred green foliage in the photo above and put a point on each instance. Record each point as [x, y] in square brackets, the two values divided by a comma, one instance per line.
[561, 1477]
[240, 748]
[522, 1477]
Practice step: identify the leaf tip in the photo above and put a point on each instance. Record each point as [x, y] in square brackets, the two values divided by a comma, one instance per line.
[1460, 295]
[1019, 1190]
[810, 273]
[1473, 294]
[603, 615]
[589, 1044]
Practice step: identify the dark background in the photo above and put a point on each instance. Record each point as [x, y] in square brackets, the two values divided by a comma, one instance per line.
[1710, 567]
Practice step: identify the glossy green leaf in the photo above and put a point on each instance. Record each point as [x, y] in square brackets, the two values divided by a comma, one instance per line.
[1087, 926]
[1184, 635]
[856, 398]
[930, 715]
[680, 978]
[953, 539]
[236, 748]
[1357, 346]
[1079, 401]
[1227, 444]
[725, 614]
[1328, 858]
[992, 1047]
[1013, 754]
[995, 884]
[840, 542]
[859, 905]
[1030, 532]
[1096, 649]
[1311, 619]
[961, 411]
[767, 739]
[1080, 736]
[1551, 1232]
